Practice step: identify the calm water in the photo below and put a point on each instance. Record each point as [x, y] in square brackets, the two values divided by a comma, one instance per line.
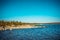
[51, 32]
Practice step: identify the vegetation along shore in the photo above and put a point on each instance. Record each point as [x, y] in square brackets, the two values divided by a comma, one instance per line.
[4, 25]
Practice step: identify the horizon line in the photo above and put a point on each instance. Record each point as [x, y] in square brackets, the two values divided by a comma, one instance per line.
[27, 22]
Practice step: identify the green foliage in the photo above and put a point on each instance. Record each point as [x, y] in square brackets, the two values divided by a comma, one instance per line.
[9, 23]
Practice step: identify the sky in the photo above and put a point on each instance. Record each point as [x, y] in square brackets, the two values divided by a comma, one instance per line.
[30, 10]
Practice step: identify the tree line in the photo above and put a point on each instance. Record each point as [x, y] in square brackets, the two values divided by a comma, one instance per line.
[9, 23]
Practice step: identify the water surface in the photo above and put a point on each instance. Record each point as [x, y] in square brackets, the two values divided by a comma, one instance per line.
[51, 32]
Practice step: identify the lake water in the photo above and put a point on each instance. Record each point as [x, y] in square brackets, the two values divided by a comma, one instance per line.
[51, 32]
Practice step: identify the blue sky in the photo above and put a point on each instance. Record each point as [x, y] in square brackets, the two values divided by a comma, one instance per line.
[30, 10]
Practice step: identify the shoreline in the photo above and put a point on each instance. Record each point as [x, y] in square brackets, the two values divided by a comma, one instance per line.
[20, 27]
[4, 25]
[16, 27]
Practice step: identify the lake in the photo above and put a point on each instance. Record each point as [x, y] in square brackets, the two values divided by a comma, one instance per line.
[51, 32]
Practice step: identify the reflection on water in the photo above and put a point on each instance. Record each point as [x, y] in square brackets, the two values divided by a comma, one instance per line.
[51, 32]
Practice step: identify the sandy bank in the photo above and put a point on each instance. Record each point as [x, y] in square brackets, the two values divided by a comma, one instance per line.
[20, 27]
[16, 27]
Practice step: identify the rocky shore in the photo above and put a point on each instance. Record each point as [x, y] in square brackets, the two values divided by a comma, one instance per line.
[16, 27]
[9, 25]
[4, 25]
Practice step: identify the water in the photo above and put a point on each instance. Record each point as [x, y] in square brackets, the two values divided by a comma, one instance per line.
[51, 32]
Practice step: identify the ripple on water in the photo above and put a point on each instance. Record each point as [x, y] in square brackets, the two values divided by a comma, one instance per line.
[52, 32]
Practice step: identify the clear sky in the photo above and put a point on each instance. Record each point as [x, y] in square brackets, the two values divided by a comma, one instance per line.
[30, 10]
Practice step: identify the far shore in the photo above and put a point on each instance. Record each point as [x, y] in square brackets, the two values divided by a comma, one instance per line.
[16, 27]
[4, 25]
[20, 27]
